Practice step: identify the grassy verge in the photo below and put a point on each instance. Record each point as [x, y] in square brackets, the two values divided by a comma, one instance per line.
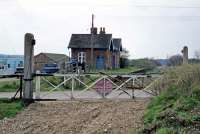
[9, 85]
[68, 85]
[12, 85]
[126, 70]
[177, 109]
[8, 108]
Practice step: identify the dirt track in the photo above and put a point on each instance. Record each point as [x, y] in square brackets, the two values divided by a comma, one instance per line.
[77, 117]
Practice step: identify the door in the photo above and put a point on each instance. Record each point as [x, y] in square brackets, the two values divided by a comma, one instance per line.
[113, 61]
[100, 62]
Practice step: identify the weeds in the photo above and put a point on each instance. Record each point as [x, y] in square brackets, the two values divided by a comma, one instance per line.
[7, 86]
[177, 108]
[8, 108]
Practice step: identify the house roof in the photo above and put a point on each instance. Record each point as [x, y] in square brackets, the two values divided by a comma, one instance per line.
[117, 44]
[84, 41]
[55, 57]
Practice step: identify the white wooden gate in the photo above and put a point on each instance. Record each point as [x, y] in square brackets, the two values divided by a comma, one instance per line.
[91, 91]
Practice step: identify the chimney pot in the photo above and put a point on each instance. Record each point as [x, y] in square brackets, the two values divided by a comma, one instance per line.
[102, 30]
[93, 30]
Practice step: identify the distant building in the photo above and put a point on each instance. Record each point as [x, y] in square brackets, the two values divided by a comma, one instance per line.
[50, 58]
[9, 63]
[99, 50]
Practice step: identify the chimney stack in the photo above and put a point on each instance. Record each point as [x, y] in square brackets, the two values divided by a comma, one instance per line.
[102, 30]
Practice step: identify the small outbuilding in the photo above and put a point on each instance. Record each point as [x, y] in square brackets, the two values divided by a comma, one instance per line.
[50, 58]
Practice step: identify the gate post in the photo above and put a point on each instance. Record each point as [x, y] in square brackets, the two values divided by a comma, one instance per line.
[37, 85]
[64, 77]
[29, 43]
[185, 55]
[21, 86]
[133, 96]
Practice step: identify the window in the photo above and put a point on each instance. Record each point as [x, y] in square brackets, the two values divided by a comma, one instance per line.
[82, 57]
[8, 65]
[20, 64]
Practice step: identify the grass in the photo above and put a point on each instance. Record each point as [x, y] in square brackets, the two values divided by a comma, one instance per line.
[177, 108]
[12, 86]
[56, 80]
[8, 108]
[173, 111]
[126, 70]
[165, 131]
[9, 85]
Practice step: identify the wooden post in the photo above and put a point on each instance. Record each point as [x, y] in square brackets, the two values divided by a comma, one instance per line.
[64, 77]
[28, 67]
[37, 85]
[185, 55]
[72, 91]
[21, 83]
[133, 90]
[92, 46]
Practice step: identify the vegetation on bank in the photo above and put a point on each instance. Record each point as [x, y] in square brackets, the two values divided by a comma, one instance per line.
[9, 85]
[125, 70]
[144, 63]
[9, 108]
[177, 108]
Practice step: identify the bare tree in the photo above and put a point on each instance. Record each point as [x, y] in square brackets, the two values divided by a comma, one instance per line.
[124, 53]
[124, 58]
[197, 54]
[175, 60]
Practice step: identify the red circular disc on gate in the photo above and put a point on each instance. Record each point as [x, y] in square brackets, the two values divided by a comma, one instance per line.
[103, 87]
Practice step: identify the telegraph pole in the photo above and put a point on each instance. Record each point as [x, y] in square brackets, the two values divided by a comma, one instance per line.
[92, 45]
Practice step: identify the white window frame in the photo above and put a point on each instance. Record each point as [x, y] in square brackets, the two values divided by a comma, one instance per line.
[81, 57]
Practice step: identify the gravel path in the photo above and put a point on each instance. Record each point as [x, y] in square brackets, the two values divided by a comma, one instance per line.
[91, 94]
[77, 117]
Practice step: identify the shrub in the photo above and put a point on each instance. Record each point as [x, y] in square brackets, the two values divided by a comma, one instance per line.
[177, 108]
[184, 77]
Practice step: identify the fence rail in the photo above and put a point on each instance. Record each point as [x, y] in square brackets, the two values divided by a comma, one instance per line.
[105, 86]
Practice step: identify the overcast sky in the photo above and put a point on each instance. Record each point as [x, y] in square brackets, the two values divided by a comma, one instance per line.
[148, 28]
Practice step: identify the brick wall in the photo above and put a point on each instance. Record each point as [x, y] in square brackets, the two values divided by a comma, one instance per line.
[97, 52]
[40, 60]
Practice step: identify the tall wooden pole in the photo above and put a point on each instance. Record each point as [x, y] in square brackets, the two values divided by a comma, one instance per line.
[185, 55]
[92, 47]
[28, 67]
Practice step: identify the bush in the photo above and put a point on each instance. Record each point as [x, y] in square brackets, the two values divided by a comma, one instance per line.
[185, 77]
[177, 108]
